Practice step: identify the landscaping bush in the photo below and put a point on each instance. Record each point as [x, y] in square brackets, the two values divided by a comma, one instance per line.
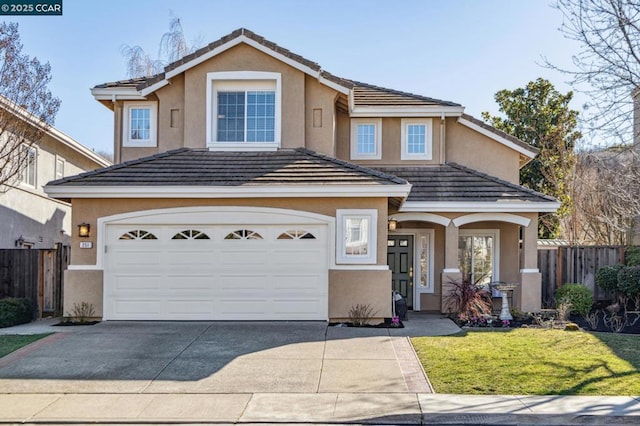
[14, 311]
[632, 256]
[629, 283]
[468, 299]
[577, 295]
[607, 277]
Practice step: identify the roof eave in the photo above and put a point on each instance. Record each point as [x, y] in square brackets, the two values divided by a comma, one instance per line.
[67, 191]
[480, 207]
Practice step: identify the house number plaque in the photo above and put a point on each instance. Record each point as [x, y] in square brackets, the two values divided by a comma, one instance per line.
[86, 244]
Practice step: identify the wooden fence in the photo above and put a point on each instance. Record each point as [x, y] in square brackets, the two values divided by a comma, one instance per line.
[36, 274]
[575, 264]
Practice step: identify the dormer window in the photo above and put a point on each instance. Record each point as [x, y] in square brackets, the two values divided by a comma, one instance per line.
[140, 126]
[243, 110]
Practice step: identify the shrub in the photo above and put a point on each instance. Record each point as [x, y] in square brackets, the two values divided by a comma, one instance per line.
[577, 295]
[14, 311]
[360, 315]
[468, 299]
[607, 277]
[82, 312]
[629, 283]
[632, 256]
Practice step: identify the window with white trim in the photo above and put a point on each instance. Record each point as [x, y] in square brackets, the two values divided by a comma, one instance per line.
[357, 236]
[28, 156]
[243, 110]
[366, 140]
[417, 136]
[478, 255]
[140, 124]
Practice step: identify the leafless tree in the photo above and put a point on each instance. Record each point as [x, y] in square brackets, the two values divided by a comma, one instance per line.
[27, 107]
[606, 196]
[607, 66]
[173, 46]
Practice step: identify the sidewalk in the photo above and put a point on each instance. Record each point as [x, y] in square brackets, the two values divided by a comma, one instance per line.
[317, 408]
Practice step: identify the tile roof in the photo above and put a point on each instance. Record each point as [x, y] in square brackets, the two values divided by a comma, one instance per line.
[369, 95]
[201, 167]
[454, 183]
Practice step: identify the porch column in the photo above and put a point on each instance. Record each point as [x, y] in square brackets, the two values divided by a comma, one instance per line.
[530, 276]
[451, 272]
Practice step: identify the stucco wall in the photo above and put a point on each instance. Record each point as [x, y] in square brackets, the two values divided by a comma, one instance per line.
[350, 288]
[474, 150]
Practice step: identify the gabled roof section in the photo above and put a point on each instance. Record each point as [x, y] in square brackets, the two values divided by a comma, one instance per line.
[527, 152]
[452, 187]
[199, 172]
[141, 87]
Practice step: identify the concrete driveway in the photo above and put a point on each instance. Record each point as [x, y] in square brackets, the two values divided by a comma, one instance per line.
[216, 357]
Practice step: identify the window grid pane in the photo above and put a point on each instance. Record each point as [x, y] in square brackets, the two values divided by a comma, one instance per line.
[261, 116]
[231, 116]
[140, 124]
[416, 141]
[366, 139]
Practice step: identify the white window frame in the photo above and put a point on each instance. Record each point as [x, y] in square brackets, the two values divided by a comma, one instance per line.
[428, 139]
[377, 123]
[24, 169]
[241, 81]
[59, 161]
[371, 215]
[153, 125]
[495, 233]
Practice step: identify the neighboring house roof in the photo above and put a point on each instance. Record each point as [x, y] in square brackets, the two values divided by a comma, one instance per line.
[23, 114]
[454, 186]
[296, 171]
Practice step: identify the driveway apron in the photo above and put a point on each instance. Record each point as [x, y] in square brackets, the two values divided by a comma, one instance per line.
[217, 357]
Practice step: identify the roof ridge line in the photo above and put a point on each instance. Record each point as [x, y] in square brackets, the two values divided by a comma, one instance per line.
[500, 181]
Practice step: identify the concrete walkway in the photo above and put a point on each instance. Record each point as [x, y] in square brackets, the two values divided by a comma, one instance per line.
[363, 376]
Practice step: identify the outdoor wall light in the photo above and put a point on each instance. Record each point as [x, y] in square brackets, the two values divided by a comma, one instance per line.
[84, 230]
[392, 224]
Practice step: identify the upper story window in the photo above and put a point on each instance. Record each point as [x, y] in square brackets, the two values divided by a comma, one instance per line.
[416, 135]
[243, 110]
[28, 155]
[140, 124]
[366, 142]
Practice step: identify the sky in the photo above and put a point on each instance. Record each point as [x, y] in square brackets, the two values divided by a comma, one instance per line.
[457, 50]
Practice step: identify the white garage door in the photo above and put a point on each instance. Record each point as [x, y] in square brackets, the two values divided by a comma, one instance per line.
[200, 272]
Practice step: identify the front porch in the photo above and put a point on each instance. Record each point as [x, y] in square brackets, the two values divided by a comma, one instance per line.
[425, 251]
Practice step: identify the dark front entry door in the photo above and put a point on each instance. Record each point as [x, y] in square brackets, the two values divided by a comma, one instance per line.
[400, 261]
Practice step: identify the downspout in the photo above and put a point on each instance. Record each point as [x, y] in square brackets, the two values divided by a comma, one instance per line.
[117, 142]
[442, 136]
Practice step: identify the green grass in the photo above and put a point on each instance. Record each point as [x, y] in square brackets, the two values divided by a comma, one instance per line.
[12, 342]
[532, 362]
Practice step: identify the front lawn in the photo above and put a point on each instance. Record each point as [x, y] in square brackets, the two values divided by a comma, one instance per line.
[532, 362]
[12, 342]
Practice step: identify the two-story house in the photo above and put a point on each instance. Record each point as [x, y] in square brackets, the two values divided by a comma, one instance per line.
[252, 184]
[31, 219]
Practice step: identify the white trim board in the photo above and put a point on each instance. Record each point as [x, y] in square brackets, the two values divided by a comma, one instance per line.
[479, 207]
[279, 191]
[489, 217]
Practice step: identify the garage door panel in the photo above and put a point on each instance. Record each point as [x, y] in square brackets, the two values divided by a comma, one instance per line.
[189, 309]
[124, 283]
[186, 282]
[217, 278]
[135, 258]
